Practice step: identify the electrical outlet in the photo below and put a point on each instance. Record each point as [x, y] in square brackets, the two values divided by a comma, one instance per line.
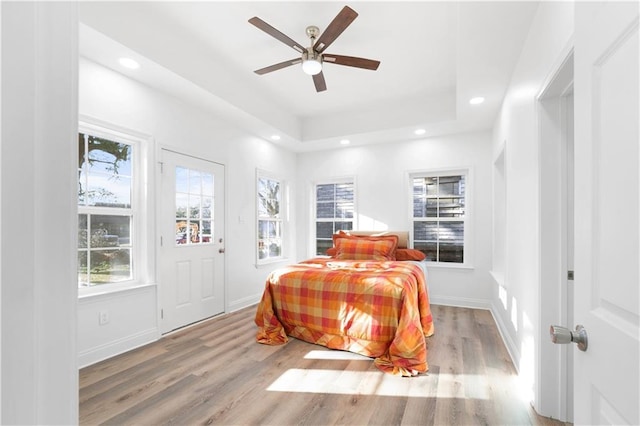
[103, 317]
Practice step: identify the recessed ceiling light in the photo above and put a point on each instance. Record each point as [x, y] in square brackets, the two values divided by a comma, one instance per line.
[345, 142]
[129, 63]
[476, 100]
[419, 131]
[275, 137]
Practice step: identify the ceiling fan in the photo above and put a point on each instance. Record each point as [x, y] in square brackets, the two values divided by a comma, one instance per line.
[313, 57]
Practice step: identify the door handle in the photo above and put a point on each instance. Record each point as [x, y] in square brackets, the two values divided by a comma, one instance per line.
[221, 250]
[562, 335]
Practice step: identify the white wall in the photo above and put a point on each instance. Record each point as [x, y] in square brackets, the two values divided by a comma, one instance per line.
[113, 98]
[382, 200]
[516, 300]
[39, 127]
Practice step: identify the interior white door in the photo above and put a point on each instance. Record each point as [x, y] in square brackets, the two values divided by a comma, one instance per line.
[607, 220]
[191, 222]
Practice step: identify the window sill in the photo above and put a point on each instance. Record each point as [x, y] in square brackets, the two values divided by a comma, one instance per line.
[270, 262]
[450, 265]
[108, 289]
[498, 277]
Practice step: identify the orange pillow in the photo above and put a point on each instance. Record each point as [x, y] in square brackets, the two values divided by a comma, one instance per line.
[380, 249]
[332, 251]
[341, 234]
[410, 254]
[345, 234]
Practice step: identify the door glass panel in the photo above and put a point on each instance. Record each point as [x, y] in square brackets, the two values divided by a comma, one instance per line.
[195, 182]
[182, 179]
[194, 202]
[207, 184]
[182, 201]
[207, 204]
[206, 231]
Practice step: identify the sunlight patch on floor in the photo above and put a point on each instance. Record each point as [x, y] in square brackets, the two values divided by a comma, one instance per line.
[371, 383]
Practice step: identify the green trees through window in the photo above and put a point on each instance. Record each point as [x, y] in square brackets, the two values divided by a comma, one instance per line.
[105, 193]
[270, 223]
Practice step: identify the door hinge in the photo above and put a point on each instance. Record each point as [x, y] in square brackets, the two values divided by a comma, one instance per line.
[160, 240]
[161, 313]
[570, 275]
[161, 167]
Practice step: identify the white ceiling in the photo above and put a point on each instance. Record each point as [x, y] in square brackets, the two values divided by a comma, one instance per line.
[434, 56]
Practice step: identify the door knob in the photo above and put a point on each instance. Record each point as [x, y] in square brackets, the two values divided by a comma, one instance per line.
[562, 335]
[220, 250]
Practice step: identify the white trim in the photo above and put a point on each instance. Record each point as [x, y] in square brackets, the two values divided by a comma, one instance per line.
[113, 289]
[117, 347]
[107, 129]
[551, 384]
[143, 249]
[448, 265]
[460, 302]
[511, 346]
[499, 161]
[1, 216]
[468, 219]
[244, 302]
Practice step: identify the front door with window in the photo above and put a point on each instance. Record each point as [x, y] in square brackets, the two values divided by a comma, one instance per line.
[191, 222]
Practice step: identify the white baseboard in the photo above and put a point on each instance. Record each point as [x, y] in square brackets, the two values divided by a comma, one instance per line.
[117, 347]
[512, 348]
[236, 305]
[461, 302]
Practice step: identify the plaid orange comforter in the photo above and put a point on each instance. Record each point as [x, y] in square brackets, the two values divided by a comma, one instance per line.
[377, 309]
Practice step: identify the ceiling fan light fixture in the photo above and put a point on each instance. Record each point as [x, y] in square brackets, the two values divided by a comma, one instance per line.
[311, 63]
[311, 66]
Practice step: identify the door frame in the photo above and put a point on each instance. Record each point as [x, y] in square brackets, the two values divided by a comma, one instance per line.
[158, 225]
[554, 390]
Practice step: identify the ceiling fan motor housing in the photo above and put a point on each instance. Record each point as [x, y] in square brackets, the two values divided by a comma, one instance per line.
[311, 55]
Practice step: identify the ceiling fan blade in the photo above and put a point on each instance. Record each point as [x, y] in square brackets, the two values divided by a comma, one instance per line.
[335, 28]
[279, 66]
[276, 34]
[351, 61]
[319, 82]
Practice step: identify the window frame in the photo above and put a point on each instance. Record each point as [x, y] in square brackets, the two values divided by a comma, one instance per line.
[314, 214]
[467, 219]
[141, 197]
[282, 220]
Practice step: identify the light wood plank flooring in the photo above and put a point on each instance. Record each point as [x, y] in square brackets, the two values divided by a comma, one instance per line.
[215, 373]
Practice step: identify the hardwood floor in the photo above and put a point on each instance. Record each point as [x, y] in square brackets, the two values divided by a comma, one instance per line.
[215, 373]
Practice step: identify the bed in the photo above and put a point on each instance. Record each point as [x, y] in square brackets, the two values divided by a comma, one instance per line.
[359, 299]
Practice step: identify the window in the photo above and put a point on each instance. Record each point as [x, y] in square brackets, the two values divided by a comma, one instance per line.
[439, 214]
[270, 218]
[105, 210]
[194, 200]
[335, 211]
